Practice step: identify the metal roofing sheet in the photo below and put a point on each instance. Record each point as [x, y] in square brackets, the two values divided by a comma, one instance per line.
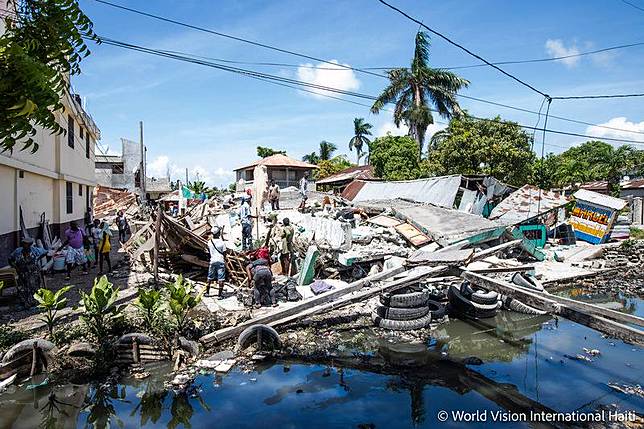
[600, 199]
[440, 191]
[526, 203]
[279, 160]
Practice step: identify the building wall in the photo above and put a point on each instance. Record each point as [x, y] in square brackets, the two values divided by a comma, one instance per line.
[36, 182]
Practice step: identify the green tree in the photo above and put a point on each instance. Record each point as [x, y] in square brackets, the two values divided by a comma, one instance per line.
[150, 305]
[394, 157]
[471, 146]
[593, 160]
[100, 308]
[361, 130]
[414, 90]
[42, 45]
[181, 300]
[264, 152]
[198, 186]
[324, 154]
[332, 166]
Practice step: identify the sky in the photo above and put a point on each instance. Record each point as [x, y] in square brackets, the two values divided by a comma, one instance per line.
[211, 121]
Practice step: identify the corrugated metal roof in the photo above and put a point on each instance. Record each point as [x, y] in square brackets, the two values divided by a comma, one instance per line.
[279, 160]
[600, 199]
[526, 203]
[440, 191]
[358, 172]
[632, 184]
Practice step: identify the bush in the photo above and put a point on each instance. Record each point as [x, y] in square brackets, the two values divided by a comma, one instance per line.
[151, 307]
[181, 301]
[100, 308]
[51, 303]
[10, 336]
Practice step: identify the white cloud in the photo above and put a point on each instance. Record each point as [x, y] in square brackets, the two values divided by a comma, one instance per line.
[557, 48]
[330, 75]
[621, 123]
[390, 127]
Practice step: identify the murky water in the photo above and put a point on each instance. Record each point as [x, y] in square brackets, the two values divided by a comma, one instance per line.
[513, 362]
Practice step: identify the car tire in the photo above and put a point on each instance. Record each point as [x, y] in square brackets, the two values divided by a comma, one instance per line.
[405, 300]
[251, 334]
[396, 313]
[479, 296]
[401, 325]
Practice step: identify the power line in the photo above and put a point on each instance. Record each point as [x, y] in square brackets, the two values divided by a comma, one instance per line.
[228, 36]
[586, 97]
[633, 5]
[290, 82]
[450, 41]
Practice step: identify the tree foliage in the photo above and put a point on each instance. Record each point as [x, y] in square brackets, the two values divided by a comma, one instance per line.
[324, 153]
[332, 166]
[395, 157]
[593, 160]
[265, 152]
[42, 45]
[100, 308]
[361, 130]
[471, 146]
[415, 90]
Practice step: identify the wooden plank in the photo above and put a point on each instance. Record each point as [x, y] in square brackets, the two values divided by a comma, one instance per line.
[454, 257]
[225, 333]
[157, 234]
[492, 250]
[385, 221]
[569, 310]
[520, 268]
[412, 234]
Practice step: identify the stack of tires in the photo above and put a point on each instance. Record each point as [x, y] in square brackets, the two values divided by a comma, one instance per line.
[471, 302]
[403, 311]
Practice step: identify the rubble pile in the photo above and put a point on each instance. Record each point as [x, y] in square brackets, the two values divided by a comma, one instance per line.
[109, 201]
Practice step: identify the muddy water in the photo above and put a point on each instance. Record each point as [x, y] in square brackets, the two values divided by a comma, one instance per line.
[513, 362]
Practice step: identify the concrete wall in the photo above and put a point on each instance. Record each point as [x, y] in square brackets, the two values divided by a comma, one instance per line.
[37, 181]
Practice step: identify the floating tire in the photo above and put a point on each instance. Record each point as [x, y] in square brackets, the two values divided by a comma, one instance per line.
[519, 307]
[464, 307]
[259, 333]
[479, 296]
[405, 300]
[436, 309]
[401, 325]
[395, 313]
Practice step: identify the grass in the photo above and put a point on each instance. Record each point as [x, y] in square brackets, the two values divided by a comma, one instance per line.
[637, 234]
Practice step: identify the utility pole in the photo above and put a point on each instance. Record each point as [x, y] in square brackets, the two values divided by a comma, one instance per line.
[142, 159]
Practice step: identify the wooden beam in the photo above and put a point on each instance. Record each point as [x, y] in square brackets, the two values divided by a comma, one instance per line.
[157, 238]
[519, 268]
[492, 250]
[225, 333]
[570, 309]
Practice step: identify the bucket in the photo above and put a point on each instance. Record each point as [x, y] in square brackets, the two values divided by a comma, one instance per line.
[59, 262]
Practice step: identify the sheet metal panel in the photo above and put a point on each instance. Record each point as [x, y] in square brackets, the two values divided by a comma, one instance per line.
[440, 191]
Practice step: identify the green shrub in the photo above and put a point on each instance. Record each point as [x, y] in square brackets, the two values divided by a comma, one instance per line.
[51, 302]
[10, 336]
[151, 306]
[181, 301]
[100, 308]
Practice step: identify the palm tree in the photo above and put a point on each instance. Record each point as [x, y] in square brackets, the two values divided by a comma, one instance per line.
[311, 158]
[326, 150]
[361, 130]
[414, 89]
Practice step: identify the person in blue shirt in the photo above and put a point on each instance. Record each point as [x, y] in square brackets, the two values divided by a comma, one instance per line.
[26, 260]
[247, 224]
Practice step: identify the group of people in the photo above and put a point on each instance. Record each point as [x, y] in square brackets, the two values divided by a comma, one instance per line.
[82, 247]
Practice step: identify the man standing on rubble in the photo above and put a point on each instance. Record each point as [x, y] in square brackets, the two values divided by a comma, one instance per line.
[286, 246]
[304, 193]
[274, 195]
[121, 223]
[74, 237]
[261, 277]
[217, 266]
[26, 261]
[247, 224]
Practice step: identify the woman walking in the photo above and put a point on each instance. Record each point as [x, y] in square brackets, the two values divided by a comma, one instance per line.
[104, 247]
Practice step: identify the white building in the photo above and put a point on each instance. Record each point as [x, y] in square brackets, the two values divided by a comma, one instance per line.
[57, 180]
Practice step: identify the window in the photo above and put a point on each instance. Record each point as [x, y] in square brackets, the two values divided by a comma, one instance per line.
[21, 174]
[69, 196]
[87, 202]
[87, 145]
[81, 132]
[80, 190]
[70, 131]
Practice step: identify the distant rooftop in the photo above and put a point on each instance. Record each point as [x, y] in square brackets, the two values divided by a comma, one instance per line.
[279, 160]
[364, 172]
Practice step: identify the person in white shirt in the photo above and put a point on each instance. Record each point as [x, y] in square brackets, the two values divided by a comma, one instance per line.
[247, 224]
[217, 267]
[304, 193]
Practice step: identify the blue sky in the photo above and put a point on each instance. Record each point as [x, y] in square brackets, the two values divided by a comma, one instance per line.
[211, 121]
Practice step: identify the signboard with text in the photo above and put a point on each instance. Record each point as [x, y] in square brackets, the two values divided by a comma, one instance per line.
[592, 222]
